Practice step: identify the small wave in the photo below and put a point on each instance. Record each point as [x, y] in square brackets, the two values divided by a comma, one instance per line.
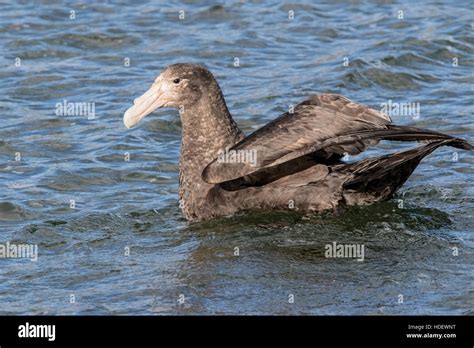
[96, 40]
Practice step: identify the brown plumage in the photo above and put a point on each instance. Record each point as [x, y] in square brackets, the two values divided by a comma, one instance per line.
[292, 163]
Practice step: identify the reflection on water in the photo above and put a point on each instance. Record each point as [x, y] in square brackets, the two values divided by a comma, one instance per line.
[101, 201]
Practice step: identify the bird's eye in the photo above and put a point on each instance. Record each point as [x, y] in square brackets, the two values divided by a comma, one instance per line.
[176, 81]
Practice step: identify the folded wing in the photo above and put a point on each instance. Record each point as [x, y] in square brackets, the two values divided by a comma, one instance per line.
[319, 131]
[320, 120]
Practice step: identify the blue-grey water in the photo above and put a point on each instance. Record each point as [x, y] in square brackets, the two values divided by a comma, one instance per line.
[100, 201]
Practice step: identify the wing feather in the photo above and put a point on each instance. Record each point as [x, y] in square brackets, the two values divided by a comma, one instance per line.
[315, 125]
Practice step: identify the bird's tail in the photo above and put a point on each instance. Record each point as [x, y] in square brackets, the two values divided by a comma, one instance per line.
[377, 179]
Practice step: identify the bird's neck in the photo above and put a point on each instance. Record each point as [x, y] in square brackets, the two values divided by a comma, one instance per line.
[207, 128]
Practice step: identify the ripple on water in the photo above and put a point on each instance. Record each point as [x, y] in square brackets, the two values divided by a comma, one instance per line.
[93, 41]
[13, 212]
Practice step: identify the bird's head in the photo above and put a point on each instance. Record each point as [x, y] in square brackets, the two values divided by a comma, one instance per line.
[178, 86]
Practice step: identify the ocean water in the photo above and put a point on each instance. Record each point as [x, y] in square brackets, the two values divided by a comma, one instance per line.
[100, 202]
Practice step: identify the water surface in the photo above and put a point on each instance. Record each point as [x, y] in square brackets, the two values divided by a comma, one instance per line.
[124, 247]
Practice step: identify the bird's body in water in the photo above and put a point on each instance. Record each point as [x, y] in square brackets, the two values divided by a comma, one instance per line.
[292, 163]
